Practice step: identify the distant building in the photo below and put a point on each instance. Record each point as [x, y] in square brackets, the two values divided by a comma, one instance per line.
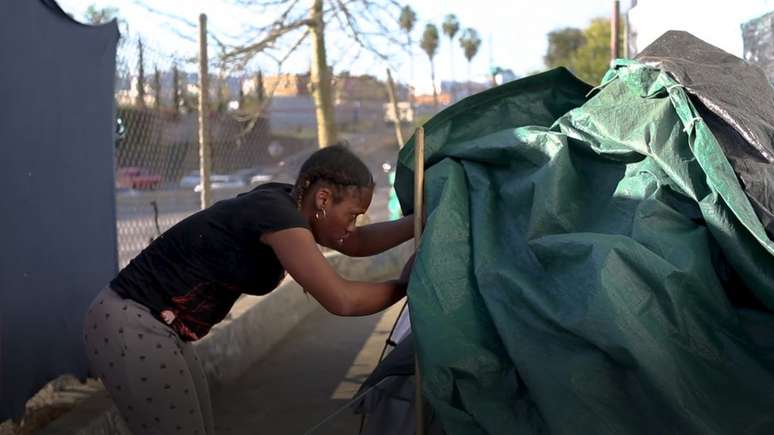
[460, 90]
[758, 43]
[345, 87]
[359, 88]
[127, 88]
[128, 97]
[444, 99]
[281, 85]
[405, 112]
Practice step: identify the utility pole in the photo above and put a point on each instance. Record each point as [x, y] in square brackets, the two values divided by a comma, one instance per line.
[204, 139]
[614, 32]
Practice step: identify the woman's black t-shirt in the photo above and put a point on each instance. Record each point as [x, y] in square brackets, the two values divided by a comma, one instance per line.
[192, 274]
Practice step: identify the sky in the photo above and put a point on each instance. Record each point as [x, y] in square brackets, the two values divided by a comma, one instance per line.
[513, 32]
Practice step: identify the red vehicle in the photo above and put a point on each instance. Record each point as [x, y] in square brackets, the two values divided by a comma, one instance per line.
[136, 178]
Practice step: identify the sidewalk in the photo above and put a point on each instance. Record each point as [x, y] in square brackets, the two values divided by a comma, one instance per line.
[312, 373]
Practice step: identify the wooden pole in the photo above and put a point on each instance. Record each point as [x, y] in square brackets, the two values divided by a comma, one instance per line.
[614, 32]
[394, 103]
[419, 184]
[204, 90]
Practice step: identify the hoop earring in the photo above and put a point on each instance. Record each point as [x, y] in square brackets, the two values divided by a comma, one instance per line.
[317, 214]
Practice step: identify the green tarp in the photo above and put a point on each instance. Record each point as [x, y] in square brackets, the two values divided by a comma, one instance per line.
[590, 264]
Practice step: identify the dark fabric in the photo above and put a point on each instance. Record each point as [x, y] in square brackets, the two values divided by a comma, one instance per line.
[737, 102]
[191, 275]
[399, 362]
[58, 220]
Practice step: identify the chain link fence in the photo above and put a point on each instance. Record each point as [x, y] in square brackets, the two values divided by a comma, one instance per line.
[157, 140]
[262, 127]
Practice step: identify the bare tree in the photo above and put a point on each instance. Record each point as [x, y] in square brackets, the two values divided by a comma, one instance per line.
[450, 27]
[470, 43]
[320, 80]
[95, 15]
[364, 23]
[429, 44]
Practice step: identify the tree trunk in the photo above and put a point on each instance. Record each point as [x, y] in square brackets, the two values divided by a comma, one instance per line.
[157, 88]
[432, 76]
[175, 91]
[320, 80]
[412, 101]
[394, 103]
[470, 92]
[453, 90]
[140, 98]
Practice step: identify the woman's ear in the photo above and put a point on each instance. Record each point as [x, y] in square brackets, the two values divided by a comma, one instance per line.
[322, 197]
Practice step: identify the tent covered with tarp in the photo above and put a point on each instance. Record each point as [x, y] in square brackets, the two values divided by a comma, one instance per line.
[601, 260]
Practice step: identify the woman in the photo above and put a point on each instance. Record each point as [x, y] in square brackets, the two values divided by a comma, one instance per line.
[138, 330]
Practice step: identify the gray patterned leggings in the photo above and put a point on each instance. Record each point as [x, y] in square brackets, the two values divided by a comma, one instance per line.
[154, 378]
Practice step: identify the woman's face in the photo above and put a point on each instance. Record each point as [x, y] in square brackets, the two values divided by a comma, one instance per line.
[338, 221]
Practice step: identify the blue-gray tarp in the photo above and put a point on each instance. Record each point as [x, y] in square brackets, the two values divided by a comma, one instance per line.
[58, 236]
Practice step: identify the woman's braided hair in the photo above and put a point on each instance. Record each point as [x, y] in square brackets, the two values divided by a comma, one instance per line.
[334, 164]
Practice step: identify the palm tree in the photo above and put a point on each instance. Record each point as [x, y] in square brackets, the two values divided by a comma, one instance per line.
[407, 20]
[429, 44]
[450, 28]
[470, 42]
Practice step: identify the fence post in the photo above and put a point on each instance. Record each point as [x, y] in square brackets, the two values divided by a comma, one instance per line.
[204, 137]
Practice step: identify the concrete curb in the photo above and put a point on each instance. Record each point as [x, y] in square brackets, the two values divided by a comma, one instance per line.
[253, 327]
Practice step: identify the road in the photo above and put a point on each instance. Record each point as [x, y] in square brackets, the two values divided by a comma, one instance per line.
[138, 221]
[136, 224]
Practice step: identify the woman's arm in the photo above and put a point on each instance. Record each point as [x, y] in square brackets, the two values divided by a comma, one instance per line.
[299, 254]
[376, 238]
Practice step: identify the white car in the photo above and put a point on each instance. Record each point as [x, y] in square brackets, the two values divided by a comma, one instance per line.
[222, 182]
[190, 180]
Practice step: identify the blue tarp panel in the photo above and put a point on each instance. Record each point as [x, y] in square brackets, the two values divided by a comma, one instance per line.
[58, 237]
